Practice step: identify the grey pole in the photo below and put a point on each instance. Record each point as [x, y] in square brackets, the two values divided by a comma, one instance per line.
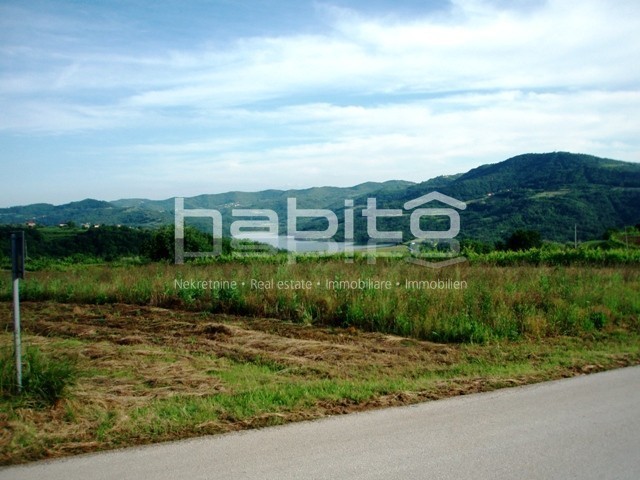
[16, 332]
[17, 272]
[626, 238]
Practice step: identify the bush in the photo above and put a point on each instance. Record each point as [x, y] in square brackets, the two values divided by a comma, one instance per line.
[524, 240]
[44, 379]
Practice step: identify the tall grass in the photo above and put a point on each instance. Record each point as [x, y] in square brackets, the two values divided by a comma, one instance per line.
[44, 379]
[496, 302]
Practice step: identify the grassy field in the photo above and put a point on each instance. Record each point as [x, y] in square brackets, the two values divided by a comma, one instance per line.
[163, 352]
[464, 303]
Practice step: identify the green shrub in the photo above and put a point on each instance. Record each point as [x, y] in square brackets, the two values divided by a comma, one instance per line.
[598, 319]
[44, 379]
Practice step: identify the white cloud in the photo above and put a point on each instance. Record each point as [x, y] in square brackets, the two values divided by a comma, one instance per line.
[368, 98]
[583, 44]
[417, 140]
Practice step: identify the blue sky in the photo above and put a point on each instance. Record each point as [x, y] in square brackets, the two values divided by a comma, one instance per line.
[122, 99]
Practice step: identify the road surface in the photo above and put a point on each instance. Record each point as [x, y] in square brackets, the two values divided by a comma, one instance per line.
[581, 428]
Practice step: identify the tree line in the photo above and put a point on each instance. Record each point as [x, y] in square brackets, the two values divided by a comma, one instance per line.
[106, 243]
[109, 243]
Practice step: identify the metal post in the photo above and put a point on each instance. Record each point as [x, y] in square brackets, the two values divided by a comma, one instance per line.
[626, 238]
[18, 252]
[16, 332]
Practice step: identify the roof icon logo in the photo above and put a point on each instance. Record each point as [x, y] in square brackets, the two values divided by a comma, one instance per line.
[435, 248]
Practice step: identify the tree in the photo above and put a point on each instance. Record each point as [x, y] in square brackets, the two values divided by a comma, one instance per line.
[161, 245]
[524, 240]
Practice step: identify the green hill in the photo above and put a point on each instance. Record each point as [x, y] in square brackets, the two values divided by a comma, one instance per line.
[548, 192]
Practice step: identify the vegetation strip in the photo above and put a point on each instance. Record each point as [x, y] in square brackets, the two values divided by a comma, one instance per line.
[496, 302]
[146, 374]
[118, 355]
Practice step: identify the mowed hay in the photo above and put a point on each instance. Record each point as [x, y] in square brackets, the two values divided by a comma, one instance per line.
[133, 356]
[150, 374]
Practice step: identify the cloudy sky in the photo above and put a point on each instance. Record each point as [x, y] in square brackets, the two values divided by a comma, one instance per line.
[141, 98]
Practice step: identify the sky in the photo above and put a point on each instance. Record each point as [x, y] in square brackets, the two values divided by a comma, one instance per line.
[155, 99]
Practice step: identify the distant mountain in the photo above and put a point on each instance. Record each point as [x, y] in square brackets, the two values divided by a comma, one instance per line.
[152, 213]
[85, 211]
[548, 192]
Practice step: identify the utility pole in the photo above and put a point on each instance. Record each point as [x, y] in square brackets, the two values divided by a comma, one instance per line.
[626, 238]
[575, 235]
[18, 250]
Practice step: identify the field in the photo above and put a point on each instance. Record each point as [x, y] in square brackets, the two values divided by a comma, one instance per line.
[163, 352]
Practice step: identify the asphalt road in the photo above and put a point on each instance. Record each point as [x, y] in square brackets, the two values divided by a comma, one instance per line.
[581, 428]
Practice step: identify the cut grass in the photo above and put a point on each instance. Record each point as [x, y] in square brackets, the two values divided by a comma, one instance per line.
[146, 374]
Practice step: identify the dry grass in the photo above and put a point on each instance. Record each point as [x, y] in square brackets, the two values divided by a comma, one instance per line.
[150, 374]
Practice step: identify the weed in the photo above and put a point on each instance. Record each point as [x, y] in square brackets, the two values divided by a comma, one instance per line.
[44, 378]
